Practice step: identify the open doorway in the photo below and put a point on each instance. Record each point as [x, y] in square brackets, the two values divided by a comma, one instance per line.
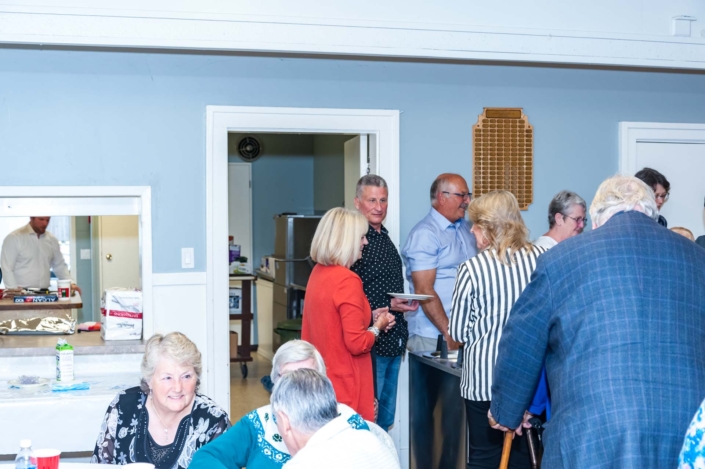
[271, 174]
[677, 151]
[382, 125]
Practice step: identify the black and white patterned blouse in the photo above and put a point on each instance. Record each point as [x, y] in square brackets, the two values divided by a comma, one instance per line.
[485, 291]
[380, 269]
[124, 438]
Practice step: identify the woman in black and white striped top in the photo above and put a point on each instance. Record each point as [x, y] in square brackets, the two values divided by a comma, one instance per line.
[486, 288]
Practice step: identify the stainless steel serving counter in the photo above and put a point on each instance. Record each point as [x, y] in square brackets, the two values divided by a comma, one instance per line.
[436, 414]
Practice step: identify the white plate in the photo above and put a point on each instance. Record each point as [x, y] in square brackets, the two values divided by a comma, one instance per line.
[409, 296]
[15, 383]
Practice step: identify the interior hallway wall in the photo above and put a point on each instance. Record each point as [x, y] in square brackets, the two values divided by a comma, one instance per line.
[282, 181]
[138, 118]
[328, 171]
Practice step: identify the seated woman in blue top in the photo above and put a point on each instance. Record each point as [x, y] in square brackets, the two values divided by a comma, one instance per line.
[254, 442]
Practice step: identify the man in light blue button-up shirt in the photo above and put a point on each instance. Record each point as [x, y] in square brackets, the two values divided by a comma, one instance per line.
[435, 248]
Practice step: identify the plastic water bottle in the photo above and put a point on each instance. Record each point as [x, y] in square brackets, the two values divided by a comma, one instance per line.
[25, 458]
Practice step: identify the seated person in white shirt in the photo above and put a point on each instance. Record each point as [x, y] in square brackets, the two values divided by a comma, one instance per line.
[306, 414]
[28, 253]
[566, 218]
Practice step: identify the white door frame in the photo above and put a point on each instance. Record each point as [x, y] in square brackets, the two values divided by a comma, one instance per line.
[220, 120]
[249, 239]
[633, 133]
[18, 201]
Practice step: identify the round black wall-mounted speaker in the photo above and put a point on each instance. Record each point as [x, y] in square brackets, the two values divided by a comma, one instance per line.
[250, 149]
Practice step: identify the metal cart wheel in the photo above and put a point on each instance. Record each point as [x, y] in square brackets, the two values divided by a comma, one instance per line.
[243, 370]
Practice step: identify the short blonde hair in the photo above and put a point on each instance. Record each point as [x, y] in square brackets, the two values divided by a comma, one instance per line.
[683, 232]
[498, 216]
[175, 346]
[622, 194]
[337, 238]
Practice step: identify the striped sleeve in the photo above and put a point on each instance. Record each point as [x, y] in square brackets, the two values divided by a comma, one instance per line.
[461, 317]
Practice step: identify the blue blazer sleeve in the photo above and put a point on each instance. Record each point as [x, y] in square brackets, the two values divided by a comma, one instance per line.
[522, 350]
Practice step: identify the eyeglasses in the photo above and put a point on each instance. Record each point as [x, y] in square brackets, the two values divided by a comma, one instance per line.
[663, 197]
[462, 195]
[576, 219]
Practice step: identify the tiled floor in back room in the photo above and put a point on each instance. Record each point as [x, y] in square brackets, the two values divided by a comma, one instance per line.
[248, 394]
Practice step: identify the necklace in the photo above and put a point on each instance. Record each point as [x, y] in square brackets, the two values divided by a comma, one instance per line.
[166, 429]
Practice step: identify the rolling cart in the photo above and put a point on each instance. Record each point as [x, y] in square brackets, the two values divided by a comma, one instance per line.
[246, 317]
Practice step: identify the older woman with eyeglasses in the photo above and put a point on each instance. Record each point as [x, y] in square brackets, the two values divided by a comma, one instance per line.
[486, 287]
[566, 218]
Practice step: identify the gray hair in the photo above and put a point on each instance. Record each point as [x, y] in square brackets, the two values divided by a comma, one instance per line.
[369, 180]
[175, 346]
[295, 351]
[307, 398]
[562, 203]
[622, 194]
[439, 184]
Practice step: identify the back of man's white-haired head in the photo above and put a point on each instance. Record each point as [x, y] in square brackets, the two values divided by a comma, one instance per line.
[307, 398]
[622, 194]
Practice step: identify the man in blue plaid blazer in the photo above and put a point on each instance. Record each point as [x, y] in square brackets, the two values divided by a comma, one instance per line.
[618, 315]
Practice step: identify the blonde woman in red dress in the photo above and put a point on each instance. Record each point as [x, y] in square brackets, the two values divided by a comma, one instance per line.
[337, 315]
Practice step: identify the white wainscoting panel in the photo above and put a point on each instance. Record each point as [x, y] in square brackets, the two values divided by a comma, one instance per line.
[180, 305]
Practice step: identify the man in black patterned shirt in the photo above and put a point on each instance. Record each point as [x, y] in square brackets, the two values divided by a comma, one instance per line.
[380, 269]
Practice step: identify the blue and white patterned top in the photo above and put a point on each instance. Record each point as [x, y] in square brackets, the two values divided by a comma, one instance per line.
[254, 442]
[693, 452]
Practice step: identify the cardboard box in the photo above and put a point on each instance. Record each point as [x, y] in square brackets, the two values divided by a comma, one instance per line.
[233, 344]
[267, 265]
[121, 314]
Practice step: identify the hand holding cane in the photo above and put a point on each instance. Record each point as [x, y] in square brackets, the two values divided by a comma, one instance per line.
[506, 449]
[508, 437]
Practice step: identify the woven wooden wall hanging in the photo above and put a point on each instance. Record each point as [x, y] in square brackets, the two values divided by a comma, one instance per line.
[503, 154]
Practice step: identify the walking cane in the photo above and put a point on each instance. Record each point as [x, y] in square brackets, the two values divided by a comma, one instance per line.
[506, 449]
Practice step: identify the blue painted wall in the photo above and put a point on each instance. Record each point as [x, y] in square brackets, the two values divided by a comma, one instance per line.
[282, 181]
[115, 118]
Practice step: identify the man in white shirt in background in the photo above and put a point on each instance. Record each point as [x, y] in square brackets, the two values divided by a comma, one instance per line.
[566, 218]
[305, 410]
[28, 253]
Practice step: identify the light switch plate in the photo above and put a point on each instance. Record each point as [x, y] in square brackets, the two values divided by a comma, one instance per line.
[187, 261]
[85, 254]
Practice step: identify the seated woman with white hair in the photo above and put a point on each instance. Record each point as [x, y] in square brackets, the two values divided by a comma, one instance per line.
[254, 442]
[164, 420]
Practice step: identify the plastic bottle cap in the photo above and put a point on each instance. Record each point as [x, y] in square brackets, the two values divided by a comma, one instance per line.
[25, 443]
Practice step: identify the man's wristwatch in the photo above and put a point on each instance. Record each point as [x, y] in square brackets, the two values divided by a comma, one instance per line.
[374, 330]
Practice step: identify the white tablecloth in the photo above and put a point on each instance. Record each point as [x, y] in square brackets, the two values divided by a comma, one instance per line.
[67, 421]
